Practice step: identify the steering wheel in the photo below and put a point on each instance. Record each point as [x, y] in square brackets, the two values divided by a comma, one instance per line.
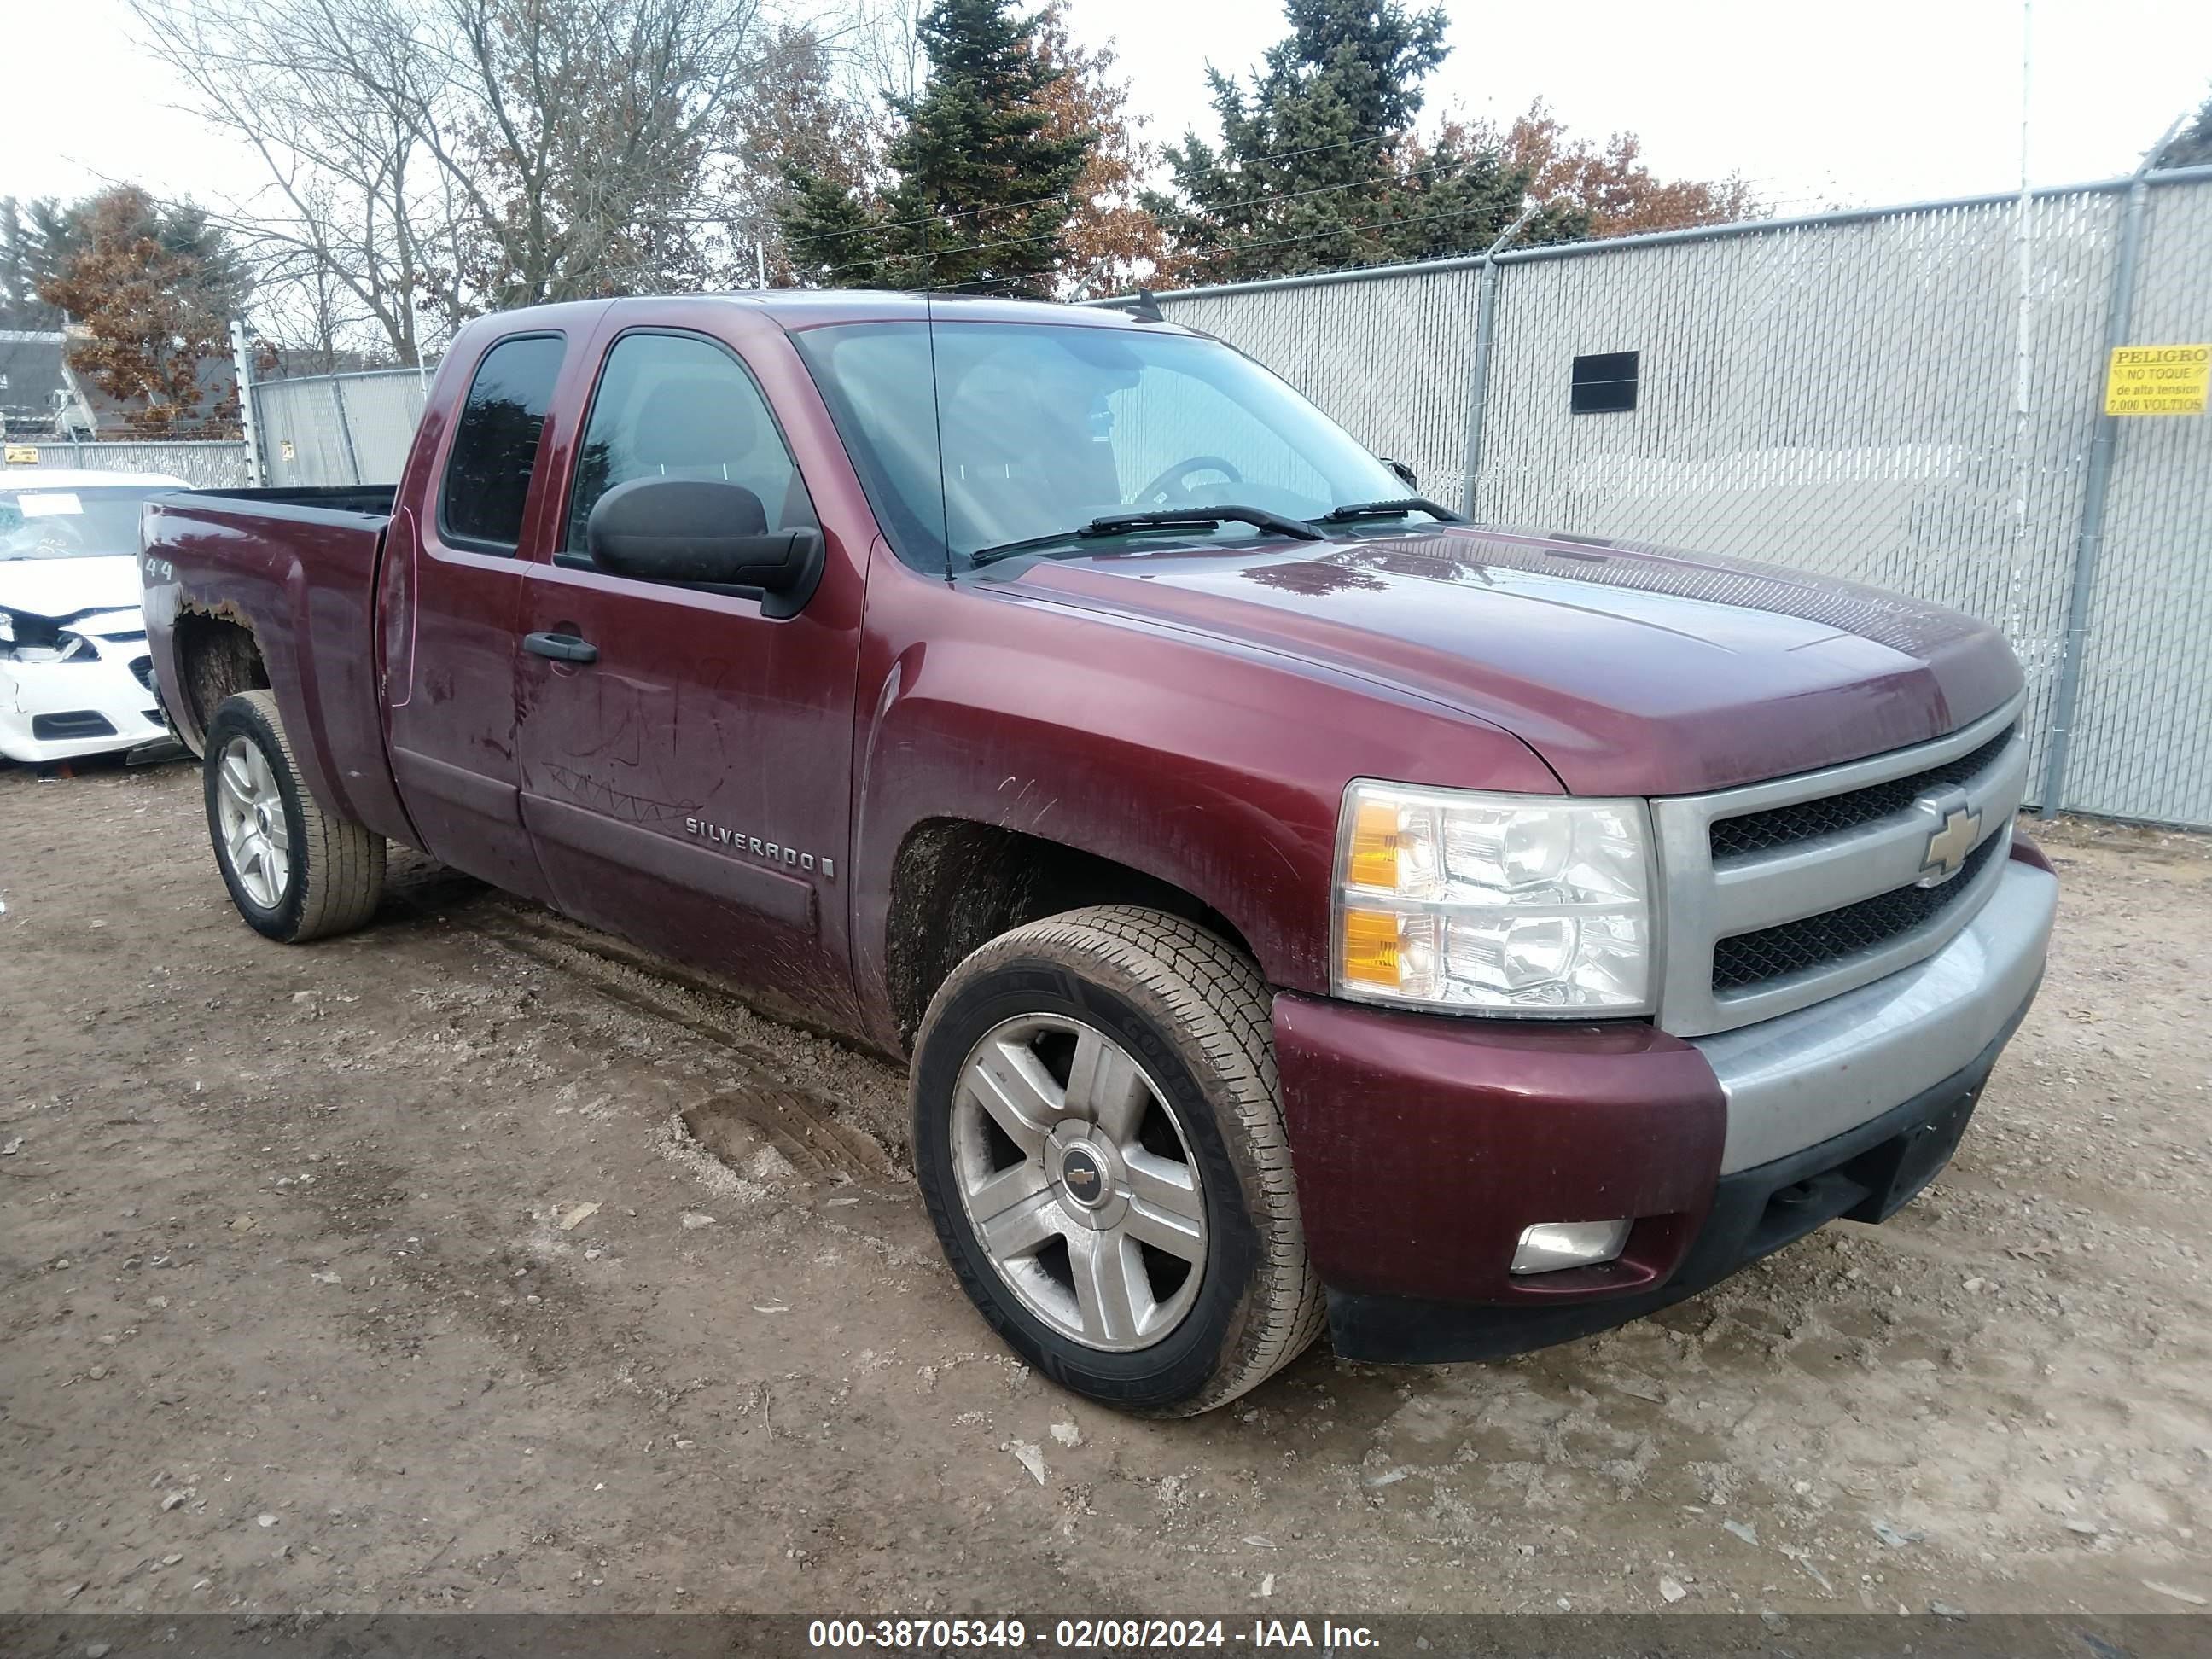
[1175, 475]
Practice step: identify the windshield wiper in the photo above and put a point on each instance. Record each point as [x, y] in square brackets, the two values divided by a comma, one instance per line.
[1166, 518]
[1397, 508]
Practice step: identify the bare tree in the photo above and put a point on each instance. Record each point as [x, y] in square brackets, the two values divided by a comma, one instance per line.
[339, 229]
[595, 143]
[442, 157]
[314, 88]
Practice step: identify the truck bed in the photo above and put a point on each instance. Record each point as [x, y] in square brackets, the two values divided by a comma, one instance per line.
[298, 567]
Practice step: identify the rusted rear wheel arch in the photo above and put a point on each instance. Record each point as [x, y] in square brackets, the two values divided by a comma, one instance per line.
[217, 658]
[958, 883]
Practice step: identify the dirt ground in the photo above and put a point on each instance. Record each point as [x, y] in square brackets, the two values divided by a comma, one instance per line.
[385, 1274]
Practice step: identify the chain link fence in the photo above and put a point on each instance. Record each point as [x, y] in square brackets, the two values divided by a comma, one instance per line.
[2142, 734]
[338, 428]
[202, 464]
[1906, 396]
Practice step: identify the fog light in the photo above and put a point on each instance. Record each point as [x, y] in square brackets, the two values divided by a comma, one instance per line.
[1551, 1245]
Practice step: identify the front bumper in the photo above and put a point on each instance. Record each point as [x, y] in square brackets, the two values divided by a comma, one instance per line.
[1425, 1145]
[61, 710]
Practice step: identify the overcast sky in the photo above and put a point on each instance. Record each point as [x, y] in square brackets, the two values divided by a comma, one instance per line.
[1873, 101]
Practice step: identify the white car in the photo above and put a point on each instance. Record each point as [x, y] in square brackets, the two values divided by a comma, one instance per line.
[75, 676]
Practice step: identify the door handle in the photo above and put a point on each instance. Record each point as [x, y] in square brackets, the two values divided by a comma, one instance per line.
[561, 647]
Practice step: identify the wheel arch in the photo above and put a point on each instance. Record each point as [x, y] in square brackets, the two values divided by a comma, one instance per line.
[216, 656]
[957, 883]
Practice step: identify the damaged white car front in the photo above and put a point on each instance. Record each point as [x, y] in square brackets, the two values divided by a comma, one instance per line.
[75, 676]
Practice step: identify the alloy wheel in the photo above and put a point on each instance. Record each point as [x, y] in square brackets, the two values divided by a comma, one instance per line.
[249, 810]
[1078, 1182]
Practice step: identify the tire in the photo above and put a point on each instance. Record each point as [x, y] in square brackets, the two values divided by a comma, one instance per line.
[1188, 1016]
[332, 869]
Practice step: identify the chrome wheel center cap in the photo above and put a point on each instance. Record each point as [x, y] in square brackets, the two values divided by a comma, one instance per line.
[1082, 1177]
[1087, 1175]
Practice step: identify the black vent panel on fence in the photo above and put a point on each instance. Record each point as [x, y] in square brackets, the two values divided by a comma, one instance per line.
[1604, 383]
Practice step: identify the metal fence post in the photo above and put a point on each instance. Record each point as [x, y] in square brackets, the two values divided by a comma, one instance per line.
[1485, 330]
[2096, 483]
[345, 430]
[248, 427]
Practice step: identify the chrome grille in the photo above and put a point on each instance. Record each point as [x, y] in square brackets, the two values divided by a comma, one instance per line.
[1815, 942]
[1779, 894]
[1755, 832]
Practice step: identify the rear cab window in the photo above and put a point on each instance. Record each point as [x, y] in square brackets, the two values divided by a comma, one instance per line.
[494, 449]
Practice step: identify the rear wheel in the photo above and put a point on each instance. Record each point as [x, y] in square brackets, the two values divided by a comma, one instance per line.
[1098, 1138]
[295, 871]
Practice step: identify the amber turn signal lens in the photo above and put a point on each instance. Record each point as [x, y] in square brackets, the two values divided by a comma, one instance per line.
[1370, 948]
[1374, 862]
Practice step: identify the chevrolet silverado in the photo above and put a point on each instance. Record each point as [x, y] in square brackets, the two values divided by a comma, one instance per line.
[1298, 908]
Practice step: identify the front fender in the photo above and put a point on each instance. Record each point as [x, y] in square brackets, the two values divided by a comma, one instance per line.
[1216, 768]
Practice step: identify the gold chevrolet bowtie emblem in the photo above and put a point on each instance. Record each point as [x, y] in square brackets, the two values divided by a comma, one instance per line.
[1948, 847]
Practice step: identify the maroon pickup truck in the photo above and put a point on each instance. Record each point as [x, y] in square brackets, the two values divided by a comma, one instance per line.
[1296, 906]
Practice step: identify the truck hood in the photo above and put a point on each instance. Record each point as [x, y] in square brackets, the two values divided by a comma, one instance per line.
[67, 588]
[1632, 670]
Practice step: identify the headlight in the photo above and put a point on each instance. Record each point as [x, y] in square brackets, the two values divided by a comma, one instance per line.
[1453, 898]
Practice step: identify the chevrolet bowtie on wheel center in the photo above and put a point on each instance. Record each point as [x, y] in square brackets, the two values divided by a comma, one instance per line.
[1298, 909]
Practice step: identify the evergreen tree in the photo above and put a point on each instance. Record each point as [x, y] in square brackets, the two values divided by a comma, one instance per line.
[978, 189]
[31, 234]
[2192, 147]
[1320, 165]
[17, 285]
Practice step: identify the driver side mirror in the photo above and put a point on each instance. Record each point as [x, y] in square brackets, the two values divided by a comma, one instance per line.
[704, 533]
[1403, 469]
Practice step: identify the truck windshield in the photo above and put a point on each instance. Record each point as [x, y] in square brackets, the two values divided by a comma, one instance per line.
[71, 524]
[1040, 429]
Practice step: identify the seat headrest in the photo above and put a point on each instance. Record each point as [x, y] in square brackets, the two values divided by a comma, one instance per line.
[700, 421]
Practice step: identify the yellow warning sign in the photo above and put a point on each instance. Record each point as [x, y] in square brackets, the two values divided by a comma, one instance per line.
[2168, 379]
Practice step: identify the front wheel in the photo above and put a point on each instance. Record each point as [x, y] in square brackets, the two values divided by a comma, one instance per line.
[295, 871]
[1098, 1137]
